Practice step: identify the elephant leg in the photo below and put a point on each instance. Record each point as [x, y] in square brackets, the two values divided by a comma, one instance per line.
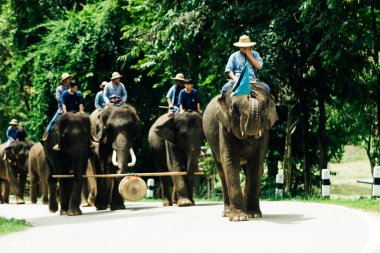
[64, 191]
[33, 187]
[92, 191]
[22, 182]
[75, 192]
[175, 196]
[165, 191]
[230, 159]
[45, 191]
[15, 185]
[117, 202]
[85, 193]
[226, 199]
[103, 197]
[254, 172]
[7, 189]
[1, 192]
[53, 204]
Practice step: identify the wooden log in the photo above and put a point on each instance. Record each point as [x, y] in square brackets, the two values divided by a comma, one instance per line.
[150, 174]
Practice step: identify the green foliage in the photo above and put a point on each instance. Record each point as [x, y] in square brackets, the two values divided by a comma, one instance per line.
[12, 225]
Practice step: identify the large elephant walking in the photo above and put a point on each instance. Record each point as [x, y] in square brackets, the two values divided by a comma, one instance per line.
[14, 170]
[117, 128]
[67, 151]
[176, 144]
[237, 130]
[38, 173]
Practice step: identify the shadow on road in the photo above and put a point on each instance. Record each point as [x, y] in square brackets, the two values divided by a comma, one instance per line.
[285, 218]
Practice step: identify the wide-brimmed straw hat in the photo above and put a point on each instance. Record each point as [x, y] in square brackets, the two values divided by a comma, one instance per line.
[103, 84]
[180, 77]
[115, 75]
[64, 76]
[244, 41]
[13, 122]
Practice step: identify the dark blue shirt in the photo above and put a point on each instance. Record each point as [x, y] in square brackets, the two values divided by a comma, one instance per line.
[189, 100]
[21, 136]
[72, 102]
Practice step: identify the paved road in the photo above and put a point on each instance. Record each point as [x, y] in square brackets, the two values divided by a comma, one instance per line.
[147, 227]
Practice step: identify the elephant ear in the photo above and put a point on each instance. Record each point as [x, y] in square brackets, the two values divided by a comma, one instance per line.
[166, 130]
[222, 113]
[272, 116]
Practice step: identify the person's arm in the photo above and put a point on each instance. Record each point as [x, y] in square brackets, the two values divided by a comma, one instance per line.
[105, 95]
[81, 108]
[255, 62]
[230, 67]
[63, 101]
[58, 94]
[124, 94]
[64, 108]
[9, 135]
[180, 100]
[169, 97]
[80, 102]
[97, 101]
[198, 101]
[199, 107]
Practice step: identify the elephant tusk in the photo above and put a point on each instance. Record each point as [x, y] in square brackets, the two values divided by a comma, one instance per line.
[242, 133]
[56, 148]
[5, 157]
[94, 144]
[133, 162]
[259, 132]
[114, 160]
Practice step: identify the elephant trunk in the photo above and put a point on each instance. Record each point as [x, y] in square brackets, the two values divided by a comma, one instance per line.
[121, 153]
[253, 120]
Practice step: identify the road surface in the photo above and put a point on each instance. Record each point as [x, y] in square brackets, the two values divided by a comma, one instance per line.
[147, 227]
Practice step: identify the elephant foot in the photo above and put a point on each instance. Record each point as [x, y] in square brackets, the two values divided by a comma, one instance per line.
[117, 207]
[20, 201]
[91, 200]
[6, 201]
[63, 212]
[254, 214]
[53, 207]
[167, 202]
[226, 211]
[238, 215]
[184, 202]
[74, 212]
[101, 207]
[45, 201]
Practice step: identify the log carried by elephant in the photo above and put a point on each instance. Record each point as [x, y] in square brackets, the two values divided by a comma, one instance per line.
[237, 130]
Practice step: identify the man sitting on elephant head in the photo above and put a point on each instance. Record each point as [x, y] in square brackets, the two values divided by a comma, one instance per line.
[173, 94]
[237, 61]
[72, 100]
[189, 99]
[114, 92]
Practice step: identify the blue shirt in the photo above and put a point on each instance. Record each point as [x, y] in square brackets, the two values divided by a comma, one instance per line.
[99, 100]
[237, 61]
[12, 133]
[58, 94]
[173, 94]
[114, 91]
[189, 100]
[72, 101]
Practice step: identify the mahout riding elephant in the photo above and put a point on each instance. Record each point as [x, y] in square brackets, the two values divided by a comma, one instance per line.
[38, 174]
[14, 169]
[118, 129]
[68, 150]
[176, 143]
[237, 130]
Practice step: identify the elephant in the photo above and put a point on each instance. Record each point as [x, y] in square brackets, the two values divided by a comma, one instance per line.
[118, 129]
[14, 169]
[68, 150]
[237, 130]
[38, 173]
[176, 143]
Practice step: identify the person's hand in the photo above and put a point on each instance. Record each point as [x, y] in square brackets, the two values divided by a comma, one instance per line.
[171, 107]
[181, 111]
[234, 79]
[248, 51]
[200, 111]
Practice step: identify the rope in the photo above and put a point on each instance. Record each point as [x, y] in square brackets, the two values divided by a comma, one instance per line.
[151, 174]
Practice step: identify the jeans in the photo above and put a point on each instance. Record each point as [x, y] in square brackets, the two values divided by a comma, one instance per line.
[54, 120]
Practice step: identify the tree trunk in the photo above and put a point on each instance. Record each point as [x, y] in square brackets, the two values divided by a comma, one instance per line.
[322, 142]
[288, 152]
[305, 139]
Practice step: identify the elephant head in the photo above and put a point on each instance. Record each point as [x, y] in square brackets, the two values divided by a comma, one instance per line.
[185, 133]
[119, 128]
[17, 155]
[247, 115]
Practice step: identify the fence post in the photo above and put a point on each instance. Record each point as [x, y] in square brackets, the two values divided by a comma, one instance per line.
[326, 183]
[376, 182]
[279, 186]
[149, 192]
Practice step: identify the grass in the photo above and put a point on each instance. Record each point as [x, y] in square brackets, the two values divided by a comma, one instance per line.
[12, 225]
